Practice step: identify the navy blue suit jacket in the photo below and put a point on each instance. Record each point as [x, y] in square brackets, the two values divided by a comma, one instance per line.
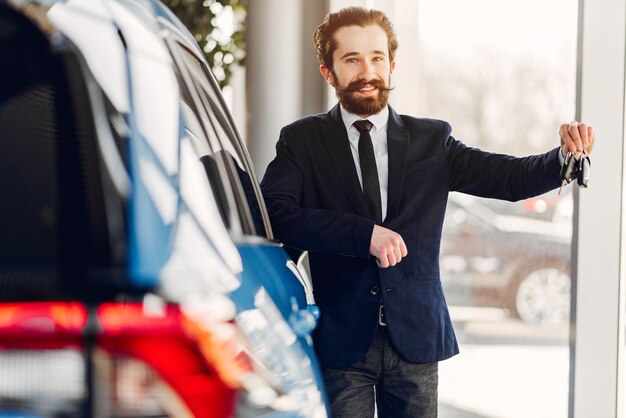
[315, 203]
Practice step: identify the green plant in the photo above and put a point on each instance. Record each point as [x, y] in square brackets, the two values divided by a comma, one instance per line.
[218, 27]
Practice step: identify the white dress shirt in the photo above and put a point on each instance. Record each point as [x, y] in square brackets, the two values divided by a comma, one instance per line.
[379, 141]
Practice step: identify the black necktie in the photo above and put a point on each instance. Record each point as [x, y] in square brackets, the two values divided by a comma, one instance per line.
[369, 173]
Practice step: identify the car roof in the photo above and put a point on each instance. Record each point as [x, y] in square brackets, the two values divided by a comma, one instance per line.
[511, 223]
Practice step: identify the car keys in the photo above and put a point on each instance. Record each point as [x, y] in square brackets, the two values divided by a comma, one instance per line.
[584, 166]
[575, 169]
[568, 170]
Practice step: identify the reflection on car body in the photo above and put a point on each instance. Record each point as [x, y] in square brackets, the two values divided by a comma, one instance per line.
[506, 261]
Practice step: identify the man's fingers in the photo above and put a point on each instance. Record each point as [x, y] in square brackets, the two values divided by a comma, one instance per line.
[567, 143]
[399, 254]
[387, 246]
[591, 140]
[381, 259]
[383, 262]
[393, 256]
[397, 257]
[574, 136]
[582, 132]
[403, 250]
[384, 256]
[389, 257]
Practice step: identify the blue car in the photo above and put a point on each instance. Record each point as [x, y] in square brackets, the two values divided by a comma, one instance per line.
[148, 218]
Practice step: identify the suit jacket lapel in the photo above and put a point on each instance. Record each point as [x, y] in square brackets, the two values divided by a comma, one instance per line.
[338, 146]
[397, 148]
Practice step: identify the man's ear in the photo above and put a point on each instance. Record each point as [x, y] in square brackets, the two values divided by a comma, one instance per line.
[327, 74]
[392, 66]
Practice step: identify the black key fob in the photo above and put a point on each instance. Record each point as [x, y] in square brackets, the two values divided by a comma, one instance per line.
[569, 168]
[582, 175]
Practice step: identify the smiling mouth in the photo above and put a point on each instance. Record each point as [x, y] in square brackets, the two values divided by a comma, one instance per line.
[367, 89]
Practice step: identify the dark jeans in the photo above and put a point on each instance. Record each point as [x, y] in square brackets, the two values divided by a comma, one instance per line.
[402, 389]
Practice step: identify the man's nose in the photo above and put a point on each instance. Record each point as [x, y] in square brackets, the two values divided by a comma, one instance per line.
[367, 70]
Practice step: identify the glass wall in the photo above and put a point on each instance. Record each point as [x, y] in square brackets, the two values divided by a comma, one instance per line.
[504, 75]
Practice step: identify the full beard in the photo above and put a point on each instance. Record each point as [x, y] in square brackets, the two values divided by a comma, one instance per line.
[364, 106]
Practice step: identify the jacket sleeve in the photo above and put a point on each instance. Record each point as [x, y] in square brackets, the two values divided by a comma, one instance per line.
[499, 176]
[312, 229]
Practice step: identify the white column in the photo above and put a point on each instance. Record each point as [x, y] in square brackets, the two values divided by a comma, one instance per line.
[596, 257]
[314, 86]
[404, 16]
[282, 80]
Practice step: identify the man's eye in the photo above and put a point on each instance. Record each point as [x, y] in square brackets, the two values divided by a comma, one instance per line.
[378, 59]
[351, 60]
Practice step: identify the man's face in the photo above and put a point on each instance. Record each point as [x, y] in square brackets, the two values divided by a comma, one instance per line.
[361, 69]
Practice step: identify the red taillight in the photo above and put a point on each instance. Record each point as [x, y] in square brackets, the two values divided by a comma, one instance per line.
[172, 351]
[164, 345]
[222, 347]
[42, 325]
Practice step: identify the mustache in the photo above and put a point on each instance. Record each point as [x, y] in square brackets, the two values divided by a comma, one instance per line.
[357, 85]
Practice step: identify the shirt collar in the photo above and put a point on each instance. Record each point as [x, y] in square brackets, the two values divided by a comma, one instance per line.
[379, 120]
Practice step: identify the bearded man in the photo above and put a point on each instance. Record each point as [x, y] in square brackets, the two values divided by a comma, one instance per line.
[364, 190]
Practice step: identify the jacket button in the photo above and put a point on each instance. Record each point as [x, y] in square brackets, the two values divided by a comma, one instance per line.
[374, 290]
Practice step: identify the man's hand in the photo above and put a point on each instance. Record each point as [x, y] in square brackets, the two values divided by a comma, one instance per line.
[387, 246]
[576, 137]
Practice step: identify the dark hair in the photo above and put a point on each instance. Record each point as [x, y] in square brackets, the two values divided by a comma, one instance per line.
[323, 38]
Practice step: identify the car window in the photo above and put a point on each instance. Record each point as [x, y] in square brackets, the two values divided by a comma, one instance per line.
[212, 164]
[222, 139]
[214, 155]
[226, 134]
